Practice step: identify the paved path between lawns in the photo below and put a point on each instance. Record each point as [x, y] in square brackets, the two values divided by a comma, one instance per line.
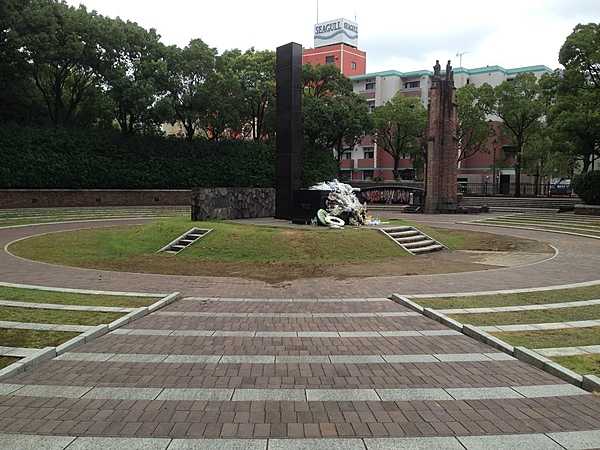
[383, 392]
[578, 261]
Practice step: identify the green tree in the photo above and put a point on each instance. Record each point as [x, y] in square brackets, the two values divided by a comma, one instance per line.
[65, 49]
[323, 80]
[189, 69]
[336, 122]
[473, 129]
[399, 127]
[255, 71]
[574, 116]
[136, 77]
[520, 106]
[581, 52]
[223, 106]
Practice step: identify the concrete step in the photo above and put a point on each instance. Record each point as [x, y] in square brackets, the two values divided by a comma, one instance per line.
[431, 248]
[397, 229]
[418, 237]
[420, 244]
[186, 241]
[401, 234]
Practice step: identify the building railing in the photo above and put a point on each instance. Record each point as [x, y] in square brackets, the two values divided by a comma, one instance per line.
[509, 190]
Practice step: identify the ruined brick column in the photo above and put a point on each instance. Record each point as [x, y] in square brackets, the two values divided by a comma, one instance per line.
[441, 188]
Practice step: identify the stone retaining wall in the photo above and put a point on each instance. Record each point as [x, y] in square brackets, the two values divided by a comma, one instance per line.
[47, 198]
[232, 203]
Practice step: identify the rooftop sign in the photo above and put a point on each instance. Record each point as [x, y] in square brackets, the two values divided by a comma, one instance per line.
[339, 31]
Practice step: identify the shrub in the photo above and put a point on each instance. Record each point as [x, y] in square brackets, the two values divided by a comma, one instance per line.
[105, 159]
[587, 186]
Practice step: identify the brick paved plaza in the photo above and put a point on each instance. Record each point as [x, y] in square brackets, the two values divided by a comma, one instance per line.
[282, 372]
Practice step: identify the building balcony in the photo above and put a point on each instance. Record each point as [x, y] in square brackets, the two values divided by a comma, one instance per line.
[347, 164]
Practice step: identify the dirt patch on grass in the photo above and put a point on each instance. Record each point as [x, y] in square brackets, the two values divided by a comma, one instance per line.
[276, 272]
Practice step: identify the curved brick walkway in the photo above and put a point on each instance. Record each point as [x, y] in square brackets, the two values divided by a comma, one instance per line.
[578, 261]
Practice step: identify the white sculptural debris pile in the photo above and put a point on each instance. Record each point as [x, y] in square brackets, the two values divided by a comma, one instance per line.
[342, 203]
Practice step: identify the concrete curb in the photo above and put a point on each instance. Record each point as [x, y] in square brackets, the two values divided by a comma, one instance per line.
[587, 382]
[83, 338]
[547, 365]
[591, 383]
[488, 339]
[404, 301]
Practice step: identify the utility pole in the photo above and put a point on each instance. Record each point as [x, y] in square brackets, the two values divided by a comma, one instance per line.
[317, 11]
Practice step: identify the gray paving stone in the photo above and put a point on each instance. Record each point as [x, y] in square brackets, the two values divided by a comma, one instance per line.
[394, 359]
[115, 443]
[19, 352]
[6, 389]
[320, 334]
[195, 394]
[413, 394]
[461, 357]
[194, 333]
[123, 393]
[219, 444]
[234, 333]
[276, 334]
[440, 333]
[316, 444]
[247, 359]
[121, 331]
[591, 383]
[483, 393]
[551, 390]
[192, 359]
[350, 334]
[33, 442]
[76, 356]
[509, 442]
[577, 439]
[142, 332]
[418, 443]
[40, 390]
[303, 359]
[400, 333]
[500, 356]
[341, 395]
[356, 359]
[294, 395]
[137, 358]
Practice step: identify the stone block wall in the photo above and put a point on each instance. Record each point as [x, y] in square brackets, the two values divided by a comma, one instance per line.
[232, 203]
[49, 198]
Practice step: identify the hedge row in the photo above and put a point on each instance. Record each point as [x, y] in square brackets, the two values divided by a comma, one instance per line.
[76, 158]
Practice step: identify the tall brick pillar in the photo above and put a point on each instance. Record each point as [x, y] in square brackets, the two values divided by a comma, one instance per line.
[441, 188]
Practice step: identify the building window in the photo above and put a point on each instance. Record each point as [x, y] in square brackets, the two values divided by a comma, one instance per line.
[371, 105]
[367, 175]
[354, 66]
[368, 152]
[330, 59]
[347, 155]
[370, 86]
[412, 85]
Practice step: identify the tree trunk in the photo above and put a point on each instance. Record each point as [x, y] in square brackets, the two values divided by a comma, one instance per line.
[396, 164]
[518, 169]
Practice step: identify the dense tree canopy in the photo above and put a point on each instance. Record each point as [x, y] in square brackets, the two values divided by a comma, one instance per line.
[399, 127]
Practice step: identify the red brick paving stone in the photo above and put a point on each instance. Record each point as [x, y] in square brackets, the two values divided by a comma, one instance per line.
[262, 430]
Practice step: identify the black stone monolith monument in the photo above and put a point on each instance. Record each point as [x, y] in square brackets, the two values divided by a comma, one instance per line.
[290, 135]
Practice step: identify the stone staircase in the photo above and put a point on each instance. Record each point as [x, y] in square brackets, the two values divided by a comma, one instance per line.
[185, 240]
[412, 240]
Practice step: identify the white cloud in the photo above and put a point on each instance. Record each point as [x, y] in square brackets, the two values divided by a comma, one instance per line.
[397, 34]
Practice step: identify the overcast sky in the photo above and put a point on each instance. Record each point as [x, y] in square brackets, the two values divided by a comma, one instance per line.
[396, 34]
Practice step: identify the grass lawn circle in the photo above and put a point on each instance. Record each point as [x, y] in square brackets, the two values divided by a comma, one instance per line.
[271, 254]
